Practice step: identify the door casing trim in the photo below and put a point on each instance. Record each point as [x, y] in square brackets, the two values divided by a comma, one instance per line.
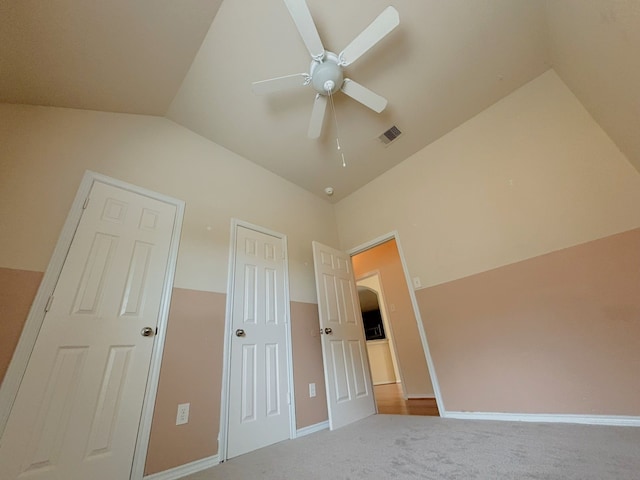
[35, 318]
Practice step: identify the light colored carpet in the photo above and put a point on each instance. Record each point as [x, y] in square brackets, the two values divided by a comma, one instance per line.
[410, 447]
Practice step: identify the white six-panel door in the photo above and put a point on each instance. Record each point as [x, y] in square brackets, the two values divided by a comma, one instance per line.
[346, 366]
[258, 412]
[78, 408]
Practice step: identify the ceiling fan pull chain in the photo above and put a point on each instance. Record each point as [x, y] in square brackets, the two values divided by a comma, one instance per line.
[344, 162]
[335, 119]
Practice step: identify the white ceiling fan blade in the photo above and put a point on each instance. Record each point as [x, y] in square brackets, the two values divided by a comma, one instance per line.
[304, 22]
[279, 83]
[363, 95]
[376, 31]
[317, 116]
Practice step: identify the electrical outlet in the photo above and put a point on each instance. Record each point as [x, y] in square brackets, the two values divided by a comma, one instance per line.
[312, 390]
[183, 414]
[416, 282]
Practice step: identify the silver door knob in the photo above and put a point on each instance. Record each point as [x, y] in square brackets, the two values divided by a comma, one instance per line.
[240, 333]
[147, 332]
[328, 331]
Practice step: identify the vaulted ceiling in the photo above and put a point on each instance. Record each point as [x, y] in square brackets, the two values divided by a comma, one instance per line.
[194, 61]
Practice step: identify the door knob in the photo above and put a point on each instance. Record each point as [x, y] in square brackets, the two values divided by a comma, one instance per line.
[328, 331]
[147, 332]
[240, 333]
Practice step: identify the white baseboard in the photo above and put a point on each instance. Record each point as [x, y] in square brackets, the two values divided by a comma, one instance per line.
[184, 470]
[614, 420]
[415, 397]
[301, 432]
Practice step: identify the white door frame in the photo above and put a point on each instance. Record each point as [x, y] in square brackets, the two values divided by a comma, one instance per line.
[394, 235]
[20, 359]
[226, 359]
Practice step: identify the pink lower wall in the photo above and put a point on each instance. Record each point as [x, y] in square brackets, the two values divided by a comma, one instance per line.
[191, 373]
[17, 291]
[558, 333]
[307, 365]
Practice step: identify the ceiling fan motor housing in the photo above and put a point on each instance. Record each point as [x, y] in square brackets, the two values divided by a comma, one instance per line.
[326, 75]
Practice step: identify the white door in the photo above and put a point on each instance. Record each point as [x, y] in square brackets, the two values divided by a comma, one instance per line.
[258, 412]
[78, 408]
[346, 366]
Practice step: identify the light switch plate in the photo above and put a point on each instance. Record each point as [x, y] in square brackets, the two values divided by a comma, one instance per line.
[312, 390]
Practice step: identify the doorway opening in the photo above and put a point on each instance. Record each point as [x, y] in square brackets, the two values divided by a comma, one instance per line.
[400, 371]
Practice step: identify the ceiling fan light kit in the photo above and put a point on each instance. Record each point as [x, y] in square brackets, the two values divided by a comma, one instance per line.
[326, 76]
[326, 73]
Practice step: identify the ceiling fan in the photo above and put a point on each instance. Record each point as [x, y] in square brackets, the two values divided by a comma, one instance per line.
[326, 74]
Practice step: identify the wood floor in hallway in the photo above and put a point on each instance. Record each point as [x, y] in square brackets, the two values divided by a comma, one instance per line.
[389, 400]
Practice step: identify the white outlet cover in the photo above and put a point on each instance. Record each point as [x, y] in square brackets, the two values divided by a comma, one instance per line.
[312, 390]
[183, 414]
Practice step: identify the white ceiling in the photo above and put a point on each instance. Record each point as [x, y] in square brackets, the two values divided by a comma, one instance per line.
[116, 55]
[194, 61]
[595, 48]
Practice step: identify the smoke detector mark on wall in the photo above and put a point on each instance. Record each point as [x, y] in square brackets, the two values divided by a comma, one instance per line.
[390, 135]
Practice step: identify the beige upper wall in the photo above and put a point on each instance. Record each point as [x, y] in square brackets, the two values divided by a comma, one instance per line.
[532, 174]
[45, 152]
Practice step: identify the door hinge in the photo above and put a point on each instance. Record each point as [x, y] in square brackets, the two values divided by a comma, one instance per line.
[289, 398]
[86, 203]
[47, 307]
